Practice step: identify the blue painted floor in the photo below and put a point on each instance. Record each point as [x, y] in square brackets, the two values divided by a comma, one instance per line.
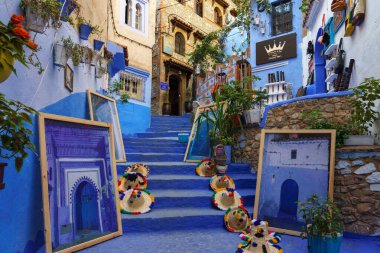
[183, 219]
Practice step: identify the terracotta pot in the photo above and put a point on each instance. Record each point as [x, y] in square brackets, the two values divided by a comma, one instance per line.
[166, 109]
[188, 106]
[5, 59]
[2, 167]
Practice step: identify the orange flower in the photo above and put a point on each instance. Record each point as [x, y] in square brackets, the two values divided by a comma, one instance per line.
[17, 19]
[32, 45]
[21, 32]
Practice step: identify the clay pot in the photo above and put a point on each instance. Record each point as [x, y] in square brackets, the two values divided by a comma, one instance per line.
[6, 59]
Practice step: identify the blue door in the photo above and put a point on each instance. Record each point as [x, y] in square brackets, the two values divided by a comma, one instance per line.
[86, 208]
[289, 196]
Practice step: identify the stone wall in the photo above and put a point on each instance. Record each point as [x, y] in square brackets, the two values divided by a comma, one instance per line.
[357, 188]
[288, 116]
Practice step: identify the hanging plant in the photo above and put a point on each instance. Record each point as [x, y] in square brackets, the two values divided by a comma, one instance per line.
[14, 134]
[86, 28]
[74, 50]
[13, 38]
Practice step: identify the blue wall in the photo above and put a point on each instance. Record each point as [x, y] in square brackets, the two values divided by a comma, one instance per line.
[133, 118]
[293, 69]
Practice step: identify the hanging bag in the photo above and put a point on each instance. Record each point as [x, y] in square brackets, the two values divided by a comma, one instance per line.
[339, 66]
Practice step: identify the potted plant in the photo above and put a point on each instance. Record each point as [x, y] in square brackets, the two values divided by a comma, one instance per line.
[62, 51]
[71, 49]
[98, 45]
[324, 225]
[15, 135]
[101, 67]
[86, 28]
[188, 101]
[13, 38]
[39, 13]
[87, 55]
[363, 115]
[228, 141]
[95, 58]
[166, 105]
[253, 115]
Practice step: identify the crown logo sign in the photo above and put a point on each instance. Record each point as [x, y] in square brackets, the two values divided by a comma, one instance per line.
[275, 48]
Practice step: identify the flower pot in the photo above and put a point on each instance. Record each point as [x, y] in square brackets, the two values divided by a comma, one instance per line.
[35, 22]
[2, 167]
[86, 55]
[60, 54]
[166, 109]
[360, 140]
[68, 7]
[228, 151]
[6, 60]
[318, 244]
[221, 169]
[98, 45]
[95, 58]
[188, 106]
[101, 67]
[84, 31]
[252, 116]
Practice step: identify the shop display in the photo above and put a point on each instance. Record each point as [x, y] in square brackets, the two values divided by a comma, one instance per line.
[287, 159]
[79, 183]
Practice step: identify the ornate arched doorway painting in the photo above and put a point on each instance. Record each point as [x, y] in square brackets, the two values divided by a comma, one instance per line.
[85, 209]
[288, 199]
[174, 94]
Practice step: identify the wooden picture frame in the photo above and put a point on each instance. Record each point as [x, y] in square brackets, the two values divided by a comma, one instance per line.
[272, 160]
[118, 137]
[79, 171]
[199, 110]
[69, 78]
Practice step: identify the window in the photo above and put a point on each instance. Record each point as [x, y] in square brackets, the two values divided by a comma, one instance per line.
[218, 18]
[199, 7]
[282, 17]
[179, 43]
[128, 12]
[138, 23]
[133, 84]
[293, 154]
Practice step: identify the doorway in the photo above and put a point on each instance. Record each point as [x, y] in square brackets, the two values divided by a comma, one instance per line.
[289, 197]
[174, 95]
[86, 209]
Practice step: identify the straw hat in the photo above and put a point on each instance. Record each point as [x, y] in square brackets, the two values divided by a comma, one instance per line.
[258, 240]
[138, 167]
[237, 219]
[218, 182]
[226, 198]
[131, 180]
[206, 168]
[136, 201]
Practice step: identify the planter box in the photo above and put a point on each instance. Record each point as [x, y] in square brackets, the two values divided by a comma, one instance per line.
[60, 54]
[252, 116]
[360, 140]
[35, 22]
[324, 245]
[84, 31]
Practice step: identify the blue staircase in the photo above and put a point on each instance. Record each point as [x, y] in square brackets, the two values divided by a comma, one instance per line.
[182, 199]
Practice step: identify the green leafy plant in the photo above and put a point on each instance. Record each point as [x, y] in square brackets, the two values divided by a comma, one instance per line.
[259, 97]
[115, 88]
[315, 120]
[322, 217]
[14, 134]
[95, 28]
[47, 9]
[305, 5]
[268, 6]
[227, 140]
[363, 114]
[13, 38]
[73, 49]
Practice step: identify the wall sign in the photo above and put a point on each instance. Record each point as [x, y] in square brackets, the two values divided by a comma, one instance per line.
[167, 45]
[276, 49]
[164, 86]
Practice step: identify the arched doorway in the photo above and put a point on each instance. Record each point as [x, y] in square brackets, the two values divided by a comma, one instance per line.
[319, 66]
[174, 91]
[86, 215]
[289, 197]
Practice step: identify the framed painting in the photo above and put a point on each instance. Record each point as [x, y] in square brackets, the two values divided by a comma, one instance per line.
[103, 108]
[79, 185]
[293, 165]
[69, 78]
[198, 146]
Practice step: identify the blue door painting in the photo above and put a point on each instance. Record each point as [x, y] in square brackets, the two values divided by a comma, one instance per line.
[86, 209]
[289, 197]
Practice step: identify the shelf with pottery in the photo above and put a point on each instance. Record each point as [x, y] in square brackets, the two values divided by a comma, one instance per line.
[331, 49]
[331, 78]
[331, 63]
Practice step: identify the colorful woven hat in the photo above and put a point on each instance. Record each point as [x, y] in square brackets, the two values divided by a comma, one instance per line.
[237, 219]
[138, 167]
[136, 201]
[131, 180]
[219, 182]
[226, 198]
[258, 240]
[206, 168]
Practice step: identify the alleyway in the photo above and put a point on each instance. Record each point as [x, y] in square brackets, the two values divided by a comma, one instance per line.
[183, 218]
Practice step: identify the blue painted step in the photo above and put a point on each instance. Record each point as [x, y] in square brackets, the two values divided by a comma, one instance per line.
[154, 157]
[153, 142]
[159, 134]
[168, 128]
[154, 149]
